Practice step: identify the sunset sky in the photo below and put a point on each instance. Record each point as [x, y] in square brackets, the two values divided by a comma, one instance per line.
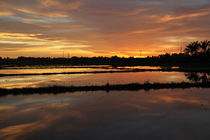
[100, 27]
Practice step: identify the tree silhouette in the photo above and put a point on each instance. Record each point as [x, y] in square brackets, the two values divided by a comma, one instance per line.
[203, 77]
[204, 46]
[193, 76]
[192, 48]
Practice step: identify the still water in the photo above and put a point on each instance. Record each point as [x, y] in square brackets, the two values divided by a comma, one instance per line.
[156, 114]
[55, 69]
[175, 114]
[90, 79]
[84, 79]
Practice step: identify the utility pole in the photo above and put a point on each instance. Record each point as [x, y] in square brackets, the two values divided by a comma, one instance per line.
[181, 47]
[68, 55]
[140, 54]
[63, 54]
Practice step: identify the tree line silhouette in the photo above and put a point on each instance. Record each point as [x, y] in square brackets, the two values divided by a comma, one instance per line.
[196, 53]
[107, 87]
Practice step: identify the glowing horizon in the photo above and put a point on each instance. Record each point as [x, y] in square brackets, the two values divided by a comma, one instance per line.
[46, 28]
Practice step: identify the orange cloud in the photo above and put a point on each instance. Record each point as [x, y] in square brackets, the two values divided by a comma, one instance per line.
[61, 5]
[51, 14]
[89, 27]
[6, 13]
[4, 108]
[168, 18]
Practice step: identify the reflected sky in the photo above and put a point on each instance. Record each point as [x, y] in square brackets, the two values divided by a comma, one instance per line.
[155, 114]
[90, 79]
[84, 79]
[48, 70]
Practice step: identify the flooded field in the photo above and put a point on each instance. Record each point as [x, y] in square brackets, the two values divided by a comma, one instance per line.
[52, 69]
[84, 79]
[163, 114]
[142, 114]
[90, 79]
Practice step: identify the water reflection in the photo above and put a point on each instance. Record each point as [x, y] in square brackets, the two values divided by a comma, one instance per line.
[90, 79]
[162, 114]
[203, 77]
[33, 70]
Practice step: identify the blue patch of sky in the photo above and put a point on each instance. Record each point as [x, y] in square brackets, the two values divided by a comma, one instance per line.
[19, 16]
[12, 18]
[49, 20]
[170, 2]
[71, 30]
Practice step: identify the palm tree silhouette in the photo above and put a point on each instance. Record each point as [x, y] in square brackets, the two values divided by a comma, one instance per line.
[193, 76]
[203, 77]
[204, 45]
[192, 48]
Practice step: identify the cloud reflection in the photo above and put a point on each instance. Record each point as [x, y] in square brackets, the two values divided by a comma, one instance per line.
[70, 115]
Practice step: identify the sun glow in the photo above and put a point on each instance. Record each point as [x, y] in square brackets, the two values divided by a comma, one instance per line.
[88, 28]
